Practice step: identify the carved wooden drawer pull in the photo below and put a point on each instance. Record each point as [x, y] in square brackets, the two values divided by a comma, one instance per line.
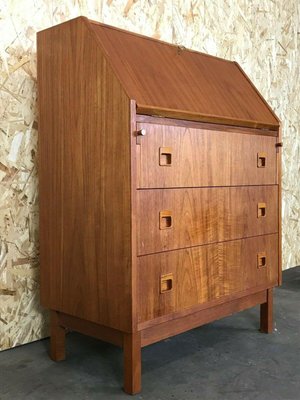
[261, 260]
[165, 156]
[261, 210]
[165, 219]
[166, 283]
[261, 160]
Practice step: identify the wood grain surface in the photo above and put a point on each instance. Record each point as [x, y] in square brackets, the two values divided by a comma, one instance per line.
[203, 158]
[279, 182]
[179, 325]
[148, 226]
[85, 207]
[92, 329]
[173, 81]
[57, 338]
[204, 215]
[266, 313]
[132, 362]
[205, 273]
[151, 119]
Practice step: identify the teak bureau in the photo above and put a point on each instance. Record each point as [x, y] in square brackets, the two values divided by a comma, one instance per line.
[159, 189]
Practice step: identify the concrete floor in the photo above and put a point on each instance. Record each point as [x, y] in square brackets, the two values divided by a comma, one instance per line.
[228, 359]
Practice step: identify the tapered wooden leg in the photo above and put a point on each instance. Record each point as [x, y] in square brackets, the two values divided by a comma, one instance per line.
[132, 362]
[266, 314]
[57, 338]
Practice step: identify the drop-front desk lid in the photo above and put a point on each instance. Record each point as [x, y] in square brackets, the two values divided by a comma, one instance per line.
[173, 81]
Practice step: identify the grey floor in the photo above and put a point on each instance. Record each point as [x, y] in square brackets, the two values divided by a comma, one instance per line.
[228, 359]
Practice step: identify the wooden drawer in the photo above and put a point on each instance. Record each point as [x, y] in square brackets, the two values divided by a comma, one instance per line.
[176, 280]
[177, 218]
[173, 156]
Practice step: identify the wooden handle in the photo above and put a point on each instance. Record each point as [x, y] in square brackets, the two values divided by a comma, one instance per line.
[165, 219]
[261, 210]
[261, 160]
[165, 156]
[166, 283]
[261, 260]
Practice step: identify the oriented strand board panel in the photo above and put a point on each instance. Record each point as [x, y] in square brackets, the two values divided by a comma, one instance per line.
[261, 35]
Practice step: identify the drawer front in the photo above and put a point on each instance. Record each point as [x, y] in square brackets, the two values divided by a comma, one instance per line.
[178, 218]
[176, 280]
[172, 156]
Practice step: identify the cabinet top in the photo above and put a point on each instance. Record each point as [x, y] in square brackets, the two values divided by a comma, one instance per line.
[172, 81]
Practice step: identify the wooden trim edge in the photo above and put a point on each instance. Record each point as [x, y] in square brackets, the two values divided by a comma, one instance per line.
[102, 49]
[133, 220]
[174, 327]
[193, 116]
[258, 92]
[207, 305]
[279, 182]
[88, 328]
[150, 119]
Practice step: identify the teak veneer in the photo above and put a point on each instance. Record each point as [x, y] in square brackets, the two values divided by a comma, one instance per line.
[160, 189]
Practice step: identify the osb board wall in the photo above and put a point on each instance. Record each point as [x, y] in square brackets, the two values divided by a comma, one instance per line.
[260, 34]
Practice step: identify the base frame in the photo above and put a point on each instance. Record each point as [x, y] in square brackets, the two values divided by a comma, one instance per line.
[132, 342]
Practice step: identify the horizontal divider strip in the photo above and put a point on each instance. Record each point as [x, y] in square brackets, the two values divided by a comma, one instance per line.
[204, 118]
[207, 244]
[191, 124]
[203, 187]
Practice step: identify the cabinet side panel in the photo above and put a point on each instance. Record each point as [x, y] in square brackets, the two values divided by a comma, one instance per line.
[84, 142]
